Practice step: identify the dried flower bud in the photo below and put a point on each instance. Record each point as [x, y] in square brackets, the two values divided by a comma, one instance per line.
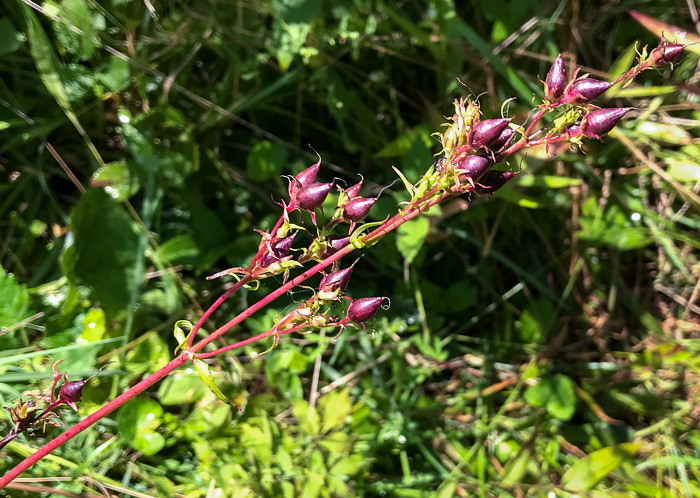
[486, 132]
[358, 208]
[601, 121]
[584, 90]
[474, 167]
[313, 195]
[556, 81]
[71, 392]
[493, 180]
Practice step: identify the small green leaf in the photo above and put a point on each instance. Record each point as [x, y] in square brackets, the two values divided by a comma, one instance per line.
[556, 393]
[116, 181]
[349, 466]
[137, 422]
[205, 374]
[266, 160]
[308, 419]
[588, 471]
[410, 237]
[335, 407]
[116, 76]
[14, 300]
[536, 320]
[182, 388]
[76, 14]
[179, 247]
[109, 268]
[10, 39]
[93, 325]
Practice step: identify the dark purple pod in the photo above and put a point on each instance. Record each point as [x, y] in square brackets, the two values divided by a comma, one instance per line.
[503, 140]
[308, 176]
[556, 81]
[601, 121]
[336, 243]
[353, 191]
[474, 167]
[364, 308]
[336, 281]
[280, 249]
[313, 195]
[665, 53]
[493, 180]
[585, 90]
[357, 208]
[485, 132]
[71, 392]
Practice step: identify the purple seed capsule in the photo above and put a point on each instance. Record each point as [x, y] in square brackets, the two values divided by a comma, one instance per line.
[364, 308]
[280, 249]
[585, 90]
[503, 140]
[665, 53]
[336, 282]
[474, 167]
[313, 195]
[336, 243]
[485, 132]
[353, 191]
[71, 392]
[493, 180]
[308, 176]
[556, 81]
[358, 208]
[601, 121]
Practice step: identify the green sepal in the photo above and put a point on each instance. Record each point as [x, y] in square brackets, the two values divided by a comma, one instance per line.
[406, 183]
[357, 234]
[181, 335]
[206, 376]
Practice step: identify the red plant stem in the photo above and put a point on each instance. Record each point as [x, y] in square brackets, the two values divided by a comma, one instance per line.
[223, 297]
[380, 231]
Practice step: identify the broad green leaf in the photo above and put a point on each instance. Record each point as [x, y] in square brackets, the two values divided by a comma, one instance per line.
[149, 355]
[182, 388]
[266, 160]
[137, 422]
[546, 181]
[256, 436]
[335, 407]
[337, 443]
[308, 419]
[77, 27]
[556, 393]
[588, 471]
[177, 248]
[14, 300]
[77, 81]
[664, 132]
[10, 38]
[349, 466]
[517, 467]
[116, 75]
[410, 237]
[93, 325]
[115, 179]
[95, 259]
[536, 320]
[401, 145]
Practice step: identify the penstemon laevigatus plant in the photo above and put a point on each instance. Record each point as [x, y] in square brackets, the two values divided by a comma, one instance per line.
[471, 146]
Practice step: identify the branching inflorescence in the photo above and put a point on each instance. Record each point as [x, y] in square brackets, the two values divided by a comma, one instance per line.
[471, 147]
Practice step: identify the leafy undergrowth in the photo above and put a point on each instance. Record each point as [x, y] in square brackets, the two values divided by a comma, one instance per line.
[542, 342]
